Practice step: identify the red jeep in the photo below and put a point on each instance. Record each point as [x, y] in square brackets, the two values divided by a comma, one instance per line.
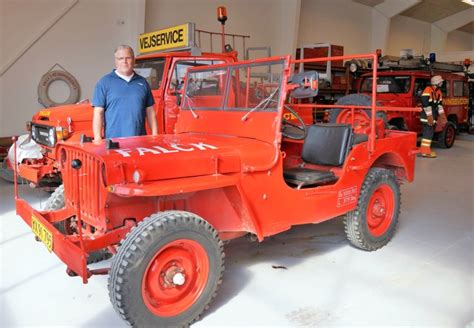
[164, 204]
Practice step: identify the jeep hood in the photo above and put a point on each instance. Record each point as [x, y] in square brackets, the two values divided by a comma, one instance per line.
[177, 156]
[59, 115]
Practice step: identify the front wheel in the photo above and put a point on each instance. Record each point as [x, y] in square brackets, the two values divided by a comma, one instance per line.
[166, 271]
[447, 137]
[372, 224]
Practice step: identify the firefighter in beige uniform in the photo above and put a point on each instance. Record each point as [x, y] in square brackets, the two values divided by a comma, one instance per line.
[432, 102]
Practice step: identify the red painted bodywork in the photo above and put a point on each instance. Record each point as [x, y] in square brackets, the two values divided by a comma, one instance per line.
[456, 108]
[77, 118]
[223, 165]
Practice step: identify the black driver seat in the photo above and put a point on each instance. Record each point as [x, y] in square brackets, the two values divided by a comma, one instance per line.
[325, 144]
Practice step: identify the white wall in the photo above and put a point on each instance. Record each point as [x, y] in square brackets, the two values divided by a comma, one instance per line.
[82, 41]
[268, 22]
[338, 22]
[460, 41]
[408, 33]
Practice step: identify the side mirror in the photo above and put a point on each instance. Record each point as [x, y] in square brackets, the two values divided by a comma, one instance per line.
[304, 85]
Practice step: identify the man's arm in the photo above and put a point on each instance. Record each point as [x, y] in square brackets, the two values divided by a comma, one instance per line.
[98, 122]
[151, 118]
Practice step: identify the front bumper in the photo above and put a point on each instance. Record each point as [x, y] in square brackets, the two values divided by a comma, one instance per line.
[67, 248]
[35, 172]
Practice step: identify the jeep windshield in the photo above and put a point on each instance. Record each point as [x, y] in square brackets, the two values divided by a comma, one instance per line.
[237, 87]
[387, 84]
[151, 70]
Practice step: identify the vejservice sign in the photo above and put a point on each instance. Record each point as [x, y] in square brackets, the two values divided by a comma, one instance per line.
[176, 37]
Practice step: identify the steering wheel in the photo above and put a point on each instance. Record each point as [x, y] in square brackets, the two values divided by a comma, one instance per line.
[295, 131]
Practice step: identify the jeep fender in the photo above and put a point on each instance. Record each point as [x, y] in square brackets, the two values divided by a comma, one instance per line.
[219, 199]
[401, 166]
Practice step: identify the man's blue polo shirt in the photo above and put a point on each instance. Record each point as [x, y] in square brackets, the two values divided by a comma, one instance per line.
[125, 104]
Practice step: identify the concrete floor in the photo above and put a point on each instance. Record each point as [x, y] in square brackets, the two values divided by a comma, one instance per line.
[424, 277]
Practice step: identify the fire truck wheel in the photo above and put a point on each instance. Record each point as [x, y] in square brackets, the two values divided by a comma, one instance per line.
[372, 224]
[166, 271]
[447, 137]
[6, 173]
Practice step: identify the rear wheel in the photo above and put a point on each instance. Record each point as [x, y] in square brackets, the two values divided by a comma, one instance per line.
[447, 137]
[166, 271]
[372, 224]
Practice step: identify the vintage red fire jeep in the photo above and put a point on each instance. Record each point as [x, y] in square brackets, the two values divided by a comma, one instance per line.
[164, 204]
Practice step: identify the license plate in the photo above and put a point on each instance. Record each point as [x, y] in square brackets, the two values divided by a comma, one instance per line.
[42, 233]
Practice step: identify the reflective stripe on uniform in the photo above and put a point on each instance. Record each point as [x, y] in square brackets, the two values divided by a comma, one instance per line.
[426, 142]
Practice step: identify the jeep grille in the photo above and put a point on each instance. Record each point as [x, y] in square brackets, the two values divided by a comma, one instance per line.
[88, 185]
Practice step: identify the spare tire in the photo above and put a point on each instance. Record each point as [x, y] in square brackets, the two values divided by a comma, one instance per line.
[343, 115]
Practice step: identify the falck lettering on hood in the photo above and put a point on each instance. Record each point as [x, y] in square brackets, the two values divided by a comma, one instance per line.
[158, 150]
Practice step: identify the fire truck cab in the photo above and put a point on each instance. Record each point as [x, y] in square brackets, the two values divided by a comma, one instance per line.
[402, 86]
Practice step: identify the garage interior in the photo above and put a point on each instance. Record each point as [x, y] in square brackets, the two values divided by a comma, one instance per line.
[307, 276]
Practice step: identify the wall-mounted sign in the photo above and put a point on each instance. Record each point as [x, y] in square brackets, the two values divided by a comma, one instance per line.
[171, 38]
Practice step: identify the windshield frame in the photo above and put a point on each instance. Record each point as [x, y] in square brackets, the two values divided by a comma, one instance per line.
[229, 69]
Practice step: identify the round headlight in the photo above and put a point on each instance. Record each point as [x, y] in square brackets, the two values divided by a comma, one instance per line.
[353, 67]
[137, 176]
[51, 136]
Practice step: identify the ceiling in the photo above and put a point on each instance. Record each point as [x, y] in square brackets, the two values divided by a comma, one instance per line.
[431, 10]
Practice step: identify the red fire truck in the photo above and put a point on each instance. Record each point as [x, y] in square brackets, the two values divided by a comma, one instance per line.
[400, 84]
[163, 205]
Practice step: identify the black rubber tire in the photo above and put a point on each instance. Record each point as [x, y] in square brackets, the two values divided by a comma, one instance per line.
[355, 222]
[56, 202]
[357, 99]
[139, 248]
[447, 137]
[7, 174]
[352, 99]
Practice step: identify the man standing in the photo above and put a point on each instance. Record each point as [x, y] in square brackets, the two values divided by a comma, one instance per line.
[123, 101]
[432, 102]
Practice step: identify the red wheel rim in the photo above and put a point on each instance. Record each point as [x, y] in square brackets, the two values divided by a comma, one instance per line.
[380, 210]
[450, 133]
[360, 118]
[175, 278]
